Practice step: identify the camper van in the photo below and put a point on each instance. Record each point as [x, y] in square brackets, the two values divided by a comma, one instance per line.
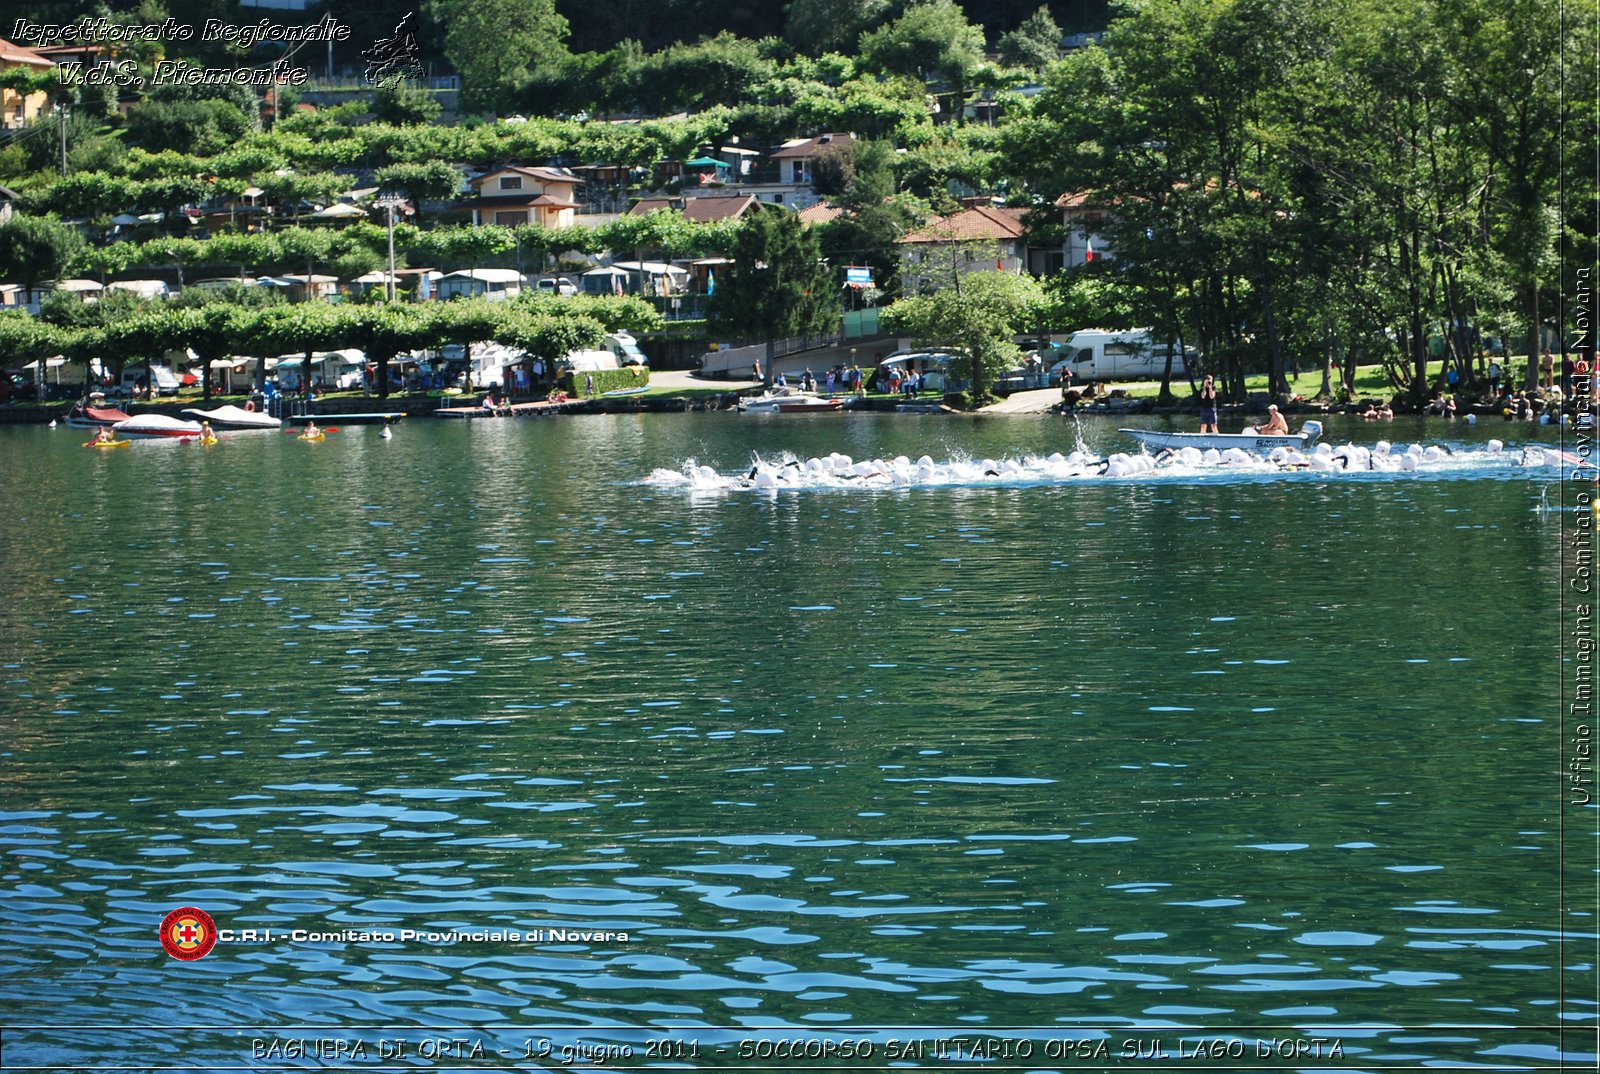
[619, 351]
[159, 379]
[1095, 354]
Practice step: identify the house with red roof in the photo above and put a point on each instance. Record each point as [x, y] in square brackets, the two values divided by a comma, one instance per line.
[701, 210]
[820, 213]
[982, 238]
[516, 195]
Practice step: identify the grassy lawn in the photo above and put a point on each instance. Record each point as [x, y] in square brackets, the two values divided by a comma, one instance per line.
[1371, 380]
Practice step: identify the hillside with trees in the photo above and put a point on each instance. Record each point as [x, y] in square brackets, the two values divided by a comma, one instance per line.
[1280, 183]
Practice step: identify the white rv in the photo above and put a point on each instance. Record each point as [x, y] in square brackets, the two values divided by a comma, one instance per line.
[159, 378]
[1095, 354]
[619, 351]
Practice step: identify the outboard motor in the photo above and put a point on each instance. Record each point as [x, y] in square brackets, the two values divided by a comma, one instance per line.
[1313, 430]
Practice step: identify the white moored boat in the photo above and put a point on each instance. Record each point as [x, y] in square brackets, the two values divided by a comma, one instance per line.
[233, 417]
[85, 415]
[156, 426]
[1249, 441]
[789, 401]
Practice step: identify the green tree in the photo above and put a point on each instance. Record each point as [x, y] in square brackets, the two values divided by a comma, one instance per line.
[1034, 45]
[548, 337]
[37, 248]
[303, 249]
[495, 44]
[474, 320]
[777, 286]
[818, 26]
[25, 340]
[434, 181]
[976, 318]
[718, 70]
[932, 40]
[404, 105]
[203, 126]
[89, 146]
[87, 194]
[874, 220]
[144, 337]
[1519, 51]
[623, 313]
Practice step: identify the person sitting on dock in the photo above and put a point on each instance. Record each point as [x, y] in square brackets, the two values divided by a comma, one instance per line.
[1274, 425]
[488, 403]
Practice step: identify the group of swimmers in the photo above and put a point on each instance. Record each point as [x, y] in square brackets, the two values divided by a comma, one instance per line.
[837, 470]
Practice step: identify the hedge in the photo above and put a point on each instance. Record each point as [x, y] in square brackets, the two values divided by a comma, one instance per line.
[604, 380]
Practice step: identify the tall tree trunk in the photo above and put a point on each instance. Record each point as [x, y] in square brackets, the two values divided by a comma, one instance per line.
[1417, 345]
[1277, 383]
[1531, 381]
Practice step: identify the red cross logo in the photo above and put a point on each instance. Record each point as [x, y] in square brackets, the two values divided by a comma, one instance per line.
[188, 933]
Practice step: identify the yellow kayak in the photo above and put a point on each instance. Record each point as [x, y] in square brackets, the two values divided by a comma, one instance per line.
[108, 443]
[312, 436]
[208, 440]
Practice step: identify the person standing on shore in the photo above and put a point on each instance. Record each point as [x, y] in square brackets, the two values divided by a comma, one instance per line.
[1208, 404]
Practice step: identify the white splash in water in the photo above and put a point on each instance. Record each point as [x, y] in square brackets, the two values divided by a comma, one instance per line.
[836, 470]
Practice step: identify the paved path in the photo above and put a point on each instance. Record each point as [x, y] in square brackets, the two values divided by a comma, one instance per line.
[1032, 401]
[680, 379]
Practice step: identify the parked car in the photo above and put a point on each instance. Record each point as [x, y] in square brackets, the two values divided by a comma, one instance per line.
[558, 285]
[15, 384]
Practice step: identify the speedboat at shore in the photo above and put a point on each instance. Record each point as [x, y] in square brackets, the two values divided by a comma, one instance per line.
[789, 401]
[84, 416]
[156, 426]
[233, 417]
[1248, 441]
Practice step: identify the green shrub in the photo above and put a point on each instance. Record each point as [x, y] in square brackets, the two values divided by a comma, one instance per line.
[604, 380]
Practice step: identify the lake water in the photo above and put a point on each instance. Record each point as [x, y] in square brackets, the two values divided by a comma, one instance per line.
[1094, 770]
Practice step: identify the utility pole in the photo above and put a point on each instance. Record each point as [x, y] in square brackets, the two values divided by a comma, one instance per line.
[61, 121]
[389, 203]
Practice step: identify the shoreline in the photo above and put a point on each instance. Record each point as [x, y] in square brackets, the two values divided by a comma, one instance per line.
[686, 393]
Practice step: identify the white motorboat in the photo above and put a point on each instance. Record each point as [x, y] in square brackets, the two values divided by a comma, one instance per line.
[789, 401]
[1249, 441]
[233, 417]
[156, 426]
[92, 413]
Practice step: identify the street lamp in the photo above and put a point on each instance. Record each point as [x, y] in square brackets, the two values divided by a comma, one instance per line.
[389, 202]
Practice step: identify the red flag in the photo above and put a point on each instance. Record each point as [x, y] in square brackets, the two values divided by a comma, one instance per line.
[1088, 250]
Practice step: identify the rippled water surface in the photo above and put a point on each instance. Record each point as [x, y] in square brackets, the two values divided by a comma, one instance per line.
[1169, 758]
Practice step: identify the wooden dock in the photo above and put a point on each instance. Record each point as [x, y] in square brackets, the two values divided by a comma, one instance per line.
[334, 418]
[517, 410]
